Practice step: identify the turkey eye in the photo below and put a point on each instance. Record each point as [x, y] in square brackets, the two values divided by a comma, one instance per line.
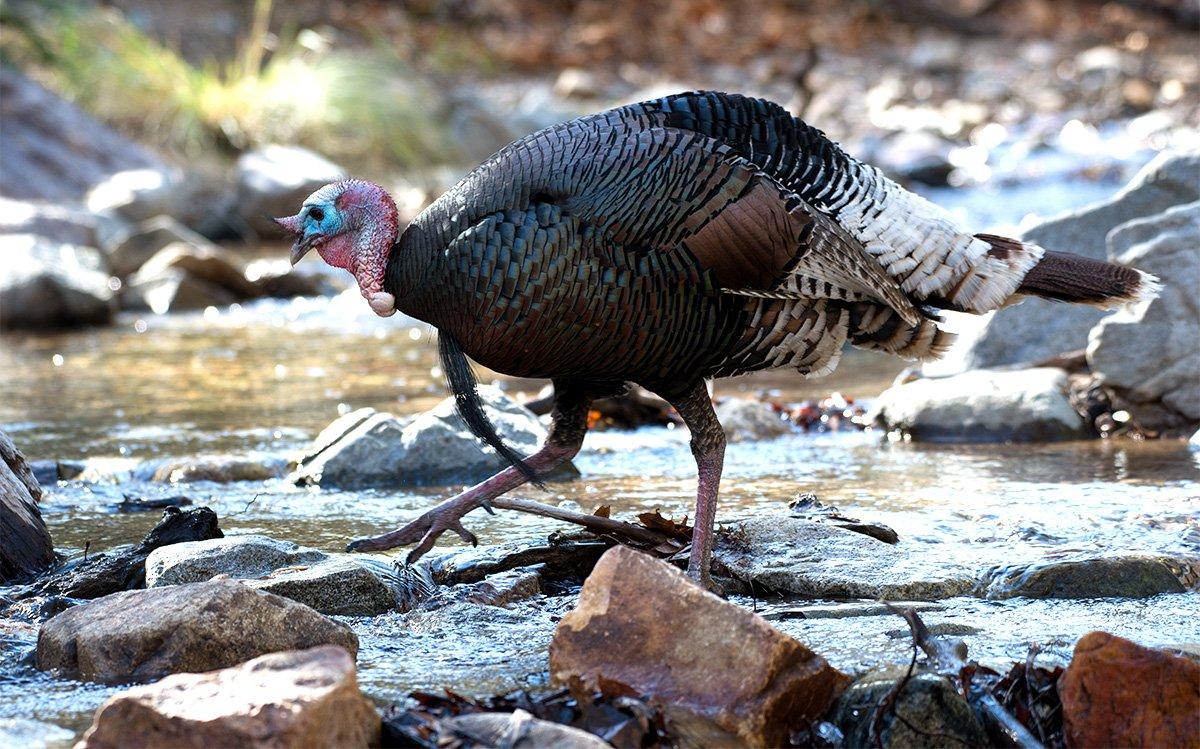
[317, 214]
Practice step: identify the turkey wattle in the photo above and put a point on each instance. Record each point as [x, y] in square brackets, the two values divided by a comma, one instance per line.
[665, 243]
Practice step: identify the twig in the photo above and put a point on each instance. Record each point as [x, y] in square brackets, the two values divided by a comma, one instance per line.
[888, 703]
[1004, 721]
[594, 523]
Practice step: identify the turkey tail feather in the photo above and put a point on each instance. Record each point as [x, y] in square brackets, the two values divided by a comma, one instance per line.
[461, 380]
[1074, 278]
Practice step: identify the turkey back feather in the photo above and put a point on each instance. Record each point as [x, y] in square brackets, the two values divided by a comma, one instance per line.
[461, 380]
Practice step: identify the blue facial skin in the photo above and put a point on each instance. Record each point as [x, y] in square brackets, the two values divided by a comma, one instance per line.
[321, 219]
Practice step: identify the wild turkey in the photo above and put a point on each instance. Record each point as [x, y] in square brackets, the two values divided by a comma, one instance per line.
[664, 243]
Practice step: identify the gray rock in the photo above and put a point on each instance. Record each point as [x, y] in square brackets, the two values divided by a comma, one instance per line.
[341, 585]
[143, 635]
[58, 223]
[368, 448]
[1125, 576]
[932, 713]
[790, 555]
[183, 277]
[129, 250]
[174, 290]
[27, 547]
[274, 180]
[747, 421]
[1150, 352]
[237, 556]
[518, 730]
[1027, 405]
[221, 469]
[138, 194]
[1037, 329]
[45, 284]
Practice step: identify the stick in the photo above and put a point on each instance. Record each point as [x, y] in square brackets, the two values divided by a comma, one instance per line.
[594, 523]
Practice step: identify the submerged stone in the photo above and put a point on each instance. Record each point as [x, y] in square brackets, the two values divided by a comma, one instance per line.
[928, 711]
[1125, 576]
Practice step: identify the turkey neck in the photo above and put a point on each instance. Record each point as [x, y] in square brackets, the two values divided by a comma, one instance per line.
[412, 266]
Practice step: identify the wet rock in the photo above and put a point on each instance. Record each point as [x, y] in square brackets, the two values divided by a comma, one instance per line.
[53, 471]
[27, 547]
[791, 555]
[1027, 405]
[368, 448]
[298, 698]
[808, 507]
[130, 250]
[182, 277]
[247, 557]
[505, 588]
[518, 730]
[340, 585]
[721, 673]
[1149, 352]
[142, 635]
[1037, 329]
[274, 180]
[1126, 576]
[746, 420]
[1118, 693]
[928, 712]
[221, 469]
[46, 284]
[566, 558]
[138, 194]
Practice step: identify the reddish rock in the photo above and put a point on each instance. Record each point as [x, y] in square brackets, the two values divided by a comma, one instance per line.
[301, 698]
[1118, 693]
[722, 674]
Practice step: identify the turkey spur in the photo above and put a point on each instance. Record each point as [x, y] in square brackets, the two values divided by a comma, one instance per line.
[665, 243]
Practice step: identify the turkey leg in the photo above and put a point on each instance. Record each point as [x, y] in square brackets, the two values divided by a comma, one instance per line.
[567, 428]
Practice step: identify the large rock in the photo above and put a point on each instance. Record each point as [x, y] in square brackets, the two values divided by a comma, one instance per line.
[142, 635]
[368, 448]
[184, 277]
[129, 250]
[1027, 405]
[722, 674]
[27, 547]
[929, 712]
[139, 194]
[58, 223]
[274, 180]
[46, 284]
[1124, 576]
[247, 557]
[1118, 693]
[1038, 329]
[1150, 353]
[746, 420]
[303, 698]
[795, 556]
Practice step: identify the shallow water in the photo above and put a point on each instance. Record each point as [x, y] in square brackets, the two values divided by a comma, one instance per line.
[264, 378]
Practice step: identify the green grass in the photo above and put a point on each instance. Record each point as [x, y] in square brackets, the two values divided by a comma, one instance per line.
[363, 108]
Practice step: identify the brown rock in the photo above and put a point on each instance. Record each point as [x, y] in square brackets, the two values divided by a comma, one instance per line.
[301, 698]
[27, 547]
[1118, 693]
[721, 673]
[142, 635]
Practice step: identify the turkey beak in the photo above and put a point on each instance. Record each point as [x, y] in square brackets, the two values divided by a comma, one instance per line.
[294, 225]
[301, 248]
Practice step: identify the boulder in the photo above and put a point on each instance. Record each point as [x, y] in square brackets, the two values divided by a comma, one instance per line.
[794, 556]
[746, 420]
[722, 674]
[143, 635]
[1124, 576]
[518, 730]
[174, 290]
[299, 698]
[58, 223]
[138, 194]
[341, 585]
[27, 547]
[129, 250]
[928, 712]
[1038, 329]
[46, 284]
[183, 266]
[274, 180]
[277, 278]
[221, 469]
[368, 448]
[1118, 693]
[1028, 405]
[1149, 353]
[247, 557]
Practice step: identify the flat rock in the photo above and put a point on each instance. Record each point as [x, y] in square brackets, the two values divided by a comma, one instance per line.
[221, 469]
[1124, 576]
[341, 585]
[27, 547]
[48, 284]
[247, 557]
[791, 555]
[369, 448]
[1118, 693]
[300, 698]
[1028, 405]
[932, 713]
[746, 421]
[1038, 329]
[721, 673]
[1149, 352]
[143, 635]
